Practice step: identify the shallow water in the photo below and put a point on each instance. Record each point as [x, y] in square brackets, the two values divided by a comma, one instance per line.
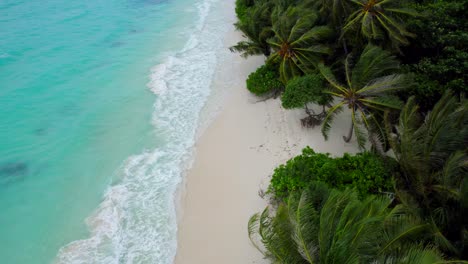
[99, 106]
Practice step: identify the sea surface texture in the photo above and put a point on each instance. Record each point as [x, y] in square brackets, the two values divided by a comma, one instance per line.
[99, 107]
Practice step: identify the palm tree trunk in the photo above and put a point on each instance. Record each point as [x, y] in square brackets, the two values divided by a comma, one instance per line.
[350, 133]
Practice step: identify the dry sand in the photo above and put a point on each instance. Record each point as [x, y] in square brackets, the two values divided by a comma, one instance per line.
[234, 158]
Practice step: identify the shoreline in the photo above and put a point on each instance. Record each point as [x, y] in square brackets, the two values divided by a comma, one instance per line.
[149, 182]
[232, 159]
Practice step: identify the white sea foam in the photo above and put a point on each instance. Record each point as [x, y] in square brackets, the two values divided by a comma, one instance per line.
[136, 221]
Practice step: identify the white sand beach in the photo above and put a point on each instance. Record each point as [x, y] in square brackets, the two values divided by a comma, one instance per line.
[234, 159]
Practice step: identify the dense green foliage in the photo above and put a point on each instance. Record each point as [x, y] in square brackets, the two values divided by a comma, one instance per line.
[319, 225]
[367, 172]
[432, 153]
[429, 36]
[358, 46]
[303, 90]
[263, 80]
[439, 55]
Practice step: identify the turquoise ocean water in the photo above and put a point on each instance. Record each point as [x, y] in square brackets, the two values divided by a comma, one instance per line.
[99, 106]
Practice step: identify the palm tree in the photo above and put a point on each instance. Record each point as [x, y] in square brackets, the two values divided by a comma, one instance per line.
[365, 92]
[256, 27]
[330, 226]
[379, 20]
[297, 42]
[432, 153]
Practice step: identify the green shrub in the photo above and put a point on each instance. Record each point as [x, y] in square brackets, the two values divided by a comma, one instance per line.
[305, 89]
[263, 80]
[367, 172]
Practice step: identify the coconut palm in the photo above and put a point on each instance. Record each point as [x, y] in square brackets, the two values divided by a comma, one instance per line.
[432, 153]
[256, 27]
[297, 42]
[366, 91]
[379, 20]
[331, 226]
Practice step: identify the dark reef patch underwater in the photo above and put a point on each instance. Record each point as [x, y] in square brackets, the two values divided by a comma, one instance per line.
[13, 170]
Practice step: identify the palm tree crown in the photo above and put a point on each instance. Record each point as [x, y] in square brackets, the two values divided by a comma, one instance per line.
[367, 89]
[297, 42]
[379, 20]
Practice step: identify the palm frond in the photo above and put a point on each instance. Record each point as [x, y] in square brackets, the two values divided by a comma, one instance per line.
[329, 220]
[305, 220]
[382, 102]
[312, 36]
[252, 228]
[377, 21]
[373, 63]
[452, 173]
[385, 84]
[327, 74]
[246, 48]
[328, 120]
[414, 255]
[361, 136]
[432, 155]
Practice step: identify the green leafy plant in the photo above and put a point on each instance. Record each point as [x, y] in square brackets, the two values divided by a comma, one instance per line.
[263, 80]
[367, 172]
[303, 90]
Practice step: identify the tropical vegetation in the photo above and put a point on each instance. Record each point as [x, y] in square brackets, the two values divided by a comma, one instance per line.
[397, 71]
[322, 225]
[432, 153]
[379, 21]
[367, 92]
[264, 80]
[367, 172]
[256, 27]
[302, 91]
